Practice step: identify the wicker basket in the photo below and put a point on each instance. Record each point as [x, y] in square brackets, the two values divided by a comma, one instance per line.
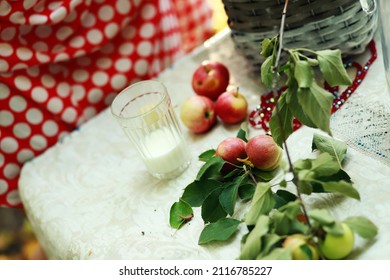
[314, 24]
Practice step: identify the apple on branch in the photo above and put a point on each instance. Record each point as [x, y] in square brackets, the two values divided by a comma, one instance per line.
[198, 114]
[231, 106]
[210, 79]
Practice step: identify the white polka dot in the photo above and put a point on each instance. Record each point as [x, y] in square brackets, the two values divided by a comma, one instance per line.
[8, 33]
[100, 78]
[27, 4]
[107, 49]
[80, 75]
[50, 128]
[75, 3]
[54, 5]
[69, 115]
[123, 6]
[24, 53]
[37, 19]
[144, 48]
[6, 49]
[24, 155]
[4, 91]
[40, 46]
[95, 95]
[106, 13]
[89, 112]
[78, 93]
[63, 33]
[84, 61]
[3, 186]
[63, 89]
[109, 98]
[19, 66]
[71, 17]
[3, 65]
[147, 30]
[118, 81]
[148, 11]
[39, 94]
[18, 103]
[79, 53]
[43, 31]
[8, 145]
[11, 170]
[17, 18]
[88, 20]
[2, 160]
[104, 63]
[6, 118]
[111, 30]
[58, 48]
[23, 83]
[123, 64]
[38, 142]
[21, 130]
[128, 32]
[77, 42]
[94, 36]
[13, 197]
[48, 81]
[141, 67]
[55, 105]
[5, 8]
[58, 14]
[126, 49]
[24, 29]
[61, 57]
[34, 116]
[43, 58]
[33, 71]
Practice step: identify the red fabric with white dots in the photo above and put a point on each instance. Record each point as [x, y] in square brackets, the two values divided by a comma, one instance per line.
[62, 62]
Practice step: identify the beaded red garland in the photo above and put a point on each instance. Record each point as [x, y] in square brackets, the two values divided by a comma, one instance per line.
[261, 115]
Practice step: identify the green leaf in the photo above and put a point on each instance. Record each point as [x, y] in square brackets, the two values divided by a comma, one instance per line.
[321, 216]
[264, 175]
[252, 246]
[303, 74]
[180, 213]
[326, 144]
[207, 155]
[331, 66]
[316, 102]
[280, 134]
[196, 192]
[362, 226]
[302, 164]
[282, 197]
[296, 110]
[267, 46]
[246, 191]
[228, 198]
[262, 202]
[212, 210]
[281, 225]
[267, 73]
[221, 230]
[243, 132]
[325, 165]
[211, 168]
[278, 254]
[341, 187]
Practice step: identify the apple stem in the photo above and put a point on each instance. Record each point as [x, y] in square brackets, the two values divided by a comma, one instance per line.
[274, 90]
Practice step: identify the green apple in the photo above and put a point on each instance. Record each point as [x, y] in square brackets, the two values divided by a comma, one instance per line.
[336, 247]
[300, 247]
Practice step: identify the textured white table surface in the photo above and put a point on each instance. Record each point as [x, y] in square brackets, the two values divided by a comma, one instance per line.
[90, 197]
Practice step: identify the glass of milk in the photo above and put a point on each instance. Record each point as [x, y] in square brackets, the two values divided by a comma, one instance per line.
[146, 115]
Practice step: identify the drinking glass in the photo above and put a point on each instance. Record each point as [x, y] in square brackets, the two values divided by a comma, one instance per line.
[145, 113]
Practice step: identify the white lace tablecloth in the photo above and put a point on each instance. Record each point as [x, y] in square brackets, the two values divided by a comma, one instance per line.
[90, 197]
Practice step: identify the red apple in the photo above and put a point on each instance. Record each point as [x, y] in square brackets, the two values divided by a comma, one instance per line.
[230, 150]
[296, 243]
[210, 79]
[198, 113]
[263, 152]
[231, 106]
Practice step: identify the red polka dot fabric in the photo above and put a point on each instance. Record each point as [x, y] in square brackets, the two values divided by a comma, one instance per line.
[62, 62]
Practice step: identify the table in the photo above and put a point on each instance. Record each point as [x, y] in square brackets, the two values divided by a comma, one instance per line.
[90, 197]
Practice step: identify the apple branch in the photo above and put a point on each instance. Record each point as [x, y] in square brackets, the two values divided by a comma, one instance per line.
[274, 91]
